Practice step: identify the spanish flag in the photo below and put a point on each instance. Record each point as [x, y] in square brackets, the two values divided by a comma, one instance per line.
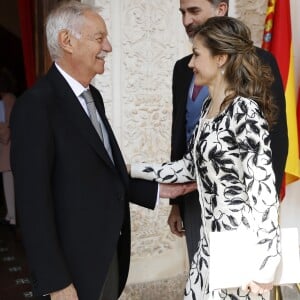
[298, 117]
[278, 40]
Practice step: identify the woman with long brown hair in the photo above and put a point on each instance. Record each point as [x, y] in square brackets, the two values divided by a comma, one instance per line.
[229, 156]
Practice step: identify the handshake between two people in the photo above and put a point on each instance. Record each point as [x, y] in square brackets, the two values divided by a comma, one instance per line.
[173, 190]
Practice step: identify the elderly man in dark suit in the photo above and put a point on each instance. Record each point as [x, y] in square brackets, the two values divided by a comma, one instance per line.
[72, 186]
[184, 217]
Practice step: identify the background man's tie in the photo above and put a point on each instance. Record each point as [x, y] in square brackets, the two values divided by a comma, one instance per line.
[196, 91]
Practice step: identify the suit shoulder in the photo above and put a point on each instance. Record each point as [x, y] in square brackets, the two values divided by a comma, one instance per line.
[181, 67]
[184, 61]
[265, 56]
[34, 101]
[39, 94]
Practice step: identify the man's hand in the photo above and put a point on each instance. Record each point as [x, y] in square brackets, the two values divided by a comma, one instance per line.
[175, 221]
[173, 190]
[68, 293]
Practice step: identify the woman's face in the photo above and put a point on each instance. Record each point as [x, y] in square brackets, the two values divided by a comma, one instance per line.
[206, 67]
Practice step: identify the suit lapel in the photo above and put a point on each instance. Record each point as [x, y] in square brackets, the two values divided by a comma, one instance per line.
[187, 76]
[74, 112]
[182, 82]
[116, 152]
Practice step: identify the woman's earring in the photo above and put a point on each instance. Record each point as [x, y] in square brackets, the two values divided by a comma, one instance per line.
[222, 71]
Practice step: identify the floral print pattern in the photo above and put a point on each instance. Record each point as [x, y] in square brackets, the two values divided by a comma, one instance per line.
[231, 159]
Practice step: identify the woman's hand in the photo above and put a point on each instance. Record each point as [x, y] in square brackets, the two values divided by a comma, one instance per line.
[257, 288]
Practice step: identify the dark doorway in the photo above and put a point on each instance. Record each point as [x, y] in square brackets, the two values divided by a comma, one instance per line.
[21, 31]
[13, 265]
[11, 55]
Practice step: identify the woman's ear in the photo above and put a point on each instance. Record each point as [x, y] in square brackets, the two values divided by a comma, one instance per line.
[222, 59]
[64, 40]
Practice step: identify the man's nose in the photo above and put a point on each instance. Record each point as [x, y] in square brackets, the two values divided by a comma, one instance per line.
[187, 20]
[107, 46]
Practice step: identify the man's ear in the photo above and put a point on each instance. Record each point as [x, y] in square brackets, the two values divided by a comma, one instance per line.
[222, 9]
[64, 40]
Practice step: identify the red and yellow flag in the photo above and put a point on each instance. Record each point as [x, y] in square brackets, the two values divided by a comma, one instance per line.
[298, 117]
[278, 40]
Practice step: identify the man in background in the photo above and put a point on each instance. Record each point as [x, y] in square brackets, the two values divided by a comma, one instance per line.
[184, 218]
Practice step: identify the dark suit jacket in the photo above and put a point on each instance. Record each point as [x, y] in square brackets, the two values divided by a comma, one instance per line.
[72, 201]
[182, 76]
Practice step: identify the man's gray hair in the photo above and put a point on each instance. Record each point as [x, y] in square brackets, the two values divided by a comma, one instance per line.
[68, 15]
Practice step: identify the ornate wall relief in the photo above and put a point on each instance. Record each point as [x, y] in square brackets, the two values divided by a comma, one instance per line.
[253, 13]
[149, 39]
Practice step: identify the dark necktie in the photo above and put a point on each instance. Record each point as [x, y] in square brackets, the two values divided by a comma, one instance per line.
[196, 91]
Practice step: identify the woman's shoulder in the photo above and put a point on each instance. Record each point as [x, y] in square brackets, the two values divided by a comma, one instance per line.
[244, 104]
[245, 100]
[246, 109]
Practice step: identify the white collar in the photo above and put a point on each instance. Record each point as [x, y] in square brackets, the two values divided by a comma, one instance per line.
[75, 85]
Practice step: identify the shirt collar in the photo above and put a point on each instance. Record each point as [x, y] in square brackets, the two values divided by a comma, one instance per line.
[76, 86]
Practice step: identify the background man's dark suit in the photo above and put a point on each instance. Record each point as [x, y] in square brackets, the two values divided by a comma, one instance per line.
[67, 184]
[182, 77]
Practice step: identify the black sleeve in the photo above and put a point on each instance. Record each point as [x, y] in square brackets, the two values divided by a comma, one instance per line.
[32, 155]
[177, 129]
[279, 132]
[143, 192]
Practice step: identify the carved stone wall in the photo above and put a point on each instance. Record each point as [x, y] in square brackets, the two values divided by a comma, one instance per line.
[253, 13]
[147, 38]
